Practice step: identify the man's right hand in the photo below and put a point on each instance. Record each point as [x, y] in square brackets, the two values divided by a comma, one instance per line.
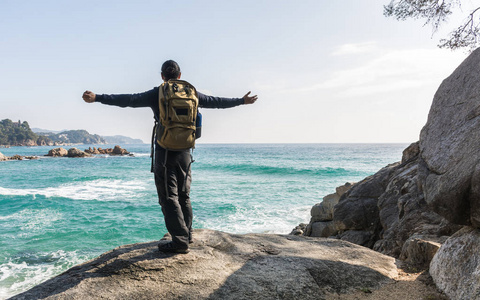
[89, 96]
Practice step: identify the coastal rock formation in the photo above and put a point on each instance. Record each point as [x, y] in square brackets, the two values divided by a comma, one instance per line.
[57, 152]
[224, 266]
[16, 157]
[449, 176]
[74, 152]
[117, 150]
[449, 166]
[455, 267]
[383, 211]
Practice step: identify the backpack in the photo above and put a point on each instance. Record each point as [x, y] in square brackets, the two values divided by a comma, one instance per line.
[178, 103]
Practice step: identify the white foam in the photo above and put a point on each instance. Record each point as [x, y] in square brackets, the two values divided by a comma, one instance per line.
[32, 220]
[260, 220]
[101, 189]
[16, 277]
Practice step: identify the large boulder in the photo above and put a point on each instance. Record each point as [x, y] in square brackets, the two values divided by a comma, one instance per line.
[3, 157]
[74, 152]
[57, 152]
[224, 266]
[117, 150]
[455, 268]
[449, 169]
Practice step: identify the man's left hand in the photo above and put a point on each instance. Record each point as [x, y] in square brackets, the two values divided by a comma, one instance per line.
[249, 99]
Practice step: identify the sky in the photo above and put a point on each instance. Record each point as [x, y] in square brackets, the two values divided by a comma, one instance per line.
[324, 71]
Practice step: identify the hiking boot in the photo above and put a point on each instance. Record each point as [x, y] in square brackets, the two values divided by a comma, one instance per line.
[173, 247]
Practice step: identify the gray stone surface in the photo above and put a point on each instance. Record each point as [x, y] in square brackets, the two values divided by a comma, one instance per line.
[419, 249]
[323, 211]
[359, 237]
[323, 229]
[455, 268]
[224, 266]
[450, 146]
[411, 152]
[2, 157]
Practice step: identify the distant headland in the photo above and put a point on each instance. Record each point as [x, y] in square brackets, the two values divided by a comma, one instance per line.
[20, 134]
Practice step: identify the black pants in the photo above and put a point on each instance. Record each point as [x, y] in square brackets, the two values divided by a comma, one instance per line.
[172, 179]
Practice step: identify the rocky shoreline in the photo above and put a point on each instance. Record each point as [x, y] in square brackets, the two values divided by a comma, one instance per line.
[72, 152]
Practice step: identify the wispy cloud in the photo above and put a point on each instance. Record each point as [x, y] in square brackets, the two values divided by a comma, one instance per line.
[389, 71]
[358, 48]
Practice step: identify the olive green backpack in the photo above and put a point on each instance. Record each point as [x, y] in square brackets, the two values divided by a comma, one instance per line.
[178, 103]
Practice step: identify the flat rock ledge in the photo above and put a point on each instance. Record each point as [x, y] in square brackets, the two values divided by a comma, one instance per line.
[225, 266]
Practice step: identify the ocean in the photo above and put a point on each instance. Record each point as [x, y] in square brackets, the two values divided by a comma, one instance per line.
[59, 212]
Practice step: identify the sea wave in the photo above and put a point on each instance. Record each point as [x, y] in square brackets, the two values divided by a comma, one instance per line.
[31, 220]
[101, 189]
[28, 269]
[279, 170]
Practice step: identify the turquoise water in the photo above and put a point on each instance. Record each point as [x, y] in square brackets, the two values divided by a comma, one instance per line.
[59, 212]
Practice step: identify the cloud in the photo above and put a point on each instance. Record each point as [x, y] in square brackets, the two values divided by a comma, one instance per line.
[390, 71]
[358, 48]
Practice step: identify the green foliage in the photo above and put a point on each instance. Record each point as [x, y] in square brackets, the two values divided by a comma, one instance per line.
[19, 134]
[436, 12]
[16, 133]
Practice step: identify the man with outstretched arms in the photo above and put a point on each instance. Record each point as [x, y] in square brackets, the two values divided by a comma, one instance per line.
[171, 167]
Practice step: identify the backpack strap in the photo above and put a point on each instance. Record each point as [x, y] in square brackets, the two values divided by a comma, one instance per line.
[152, 146]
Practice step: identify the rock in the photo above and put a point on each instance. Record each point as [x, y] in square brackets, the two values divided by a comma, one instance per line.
[117, 150]
[3, 157]
[74, 152]
[57, 152]
[450, 146]
[382, 211]
[323, 229]
[299, 230]
[455, 267]
[16, 157]
[419, 249]
[343, 188]
[224, 266]
[411, 152]
[323, 211]
[359, 237]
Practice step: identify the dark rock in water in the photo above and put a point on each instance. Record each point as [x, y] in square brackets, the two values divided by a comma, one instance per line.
[117, 150]
[74, 152]
[60, 152]
[224, 266]
[449, 168]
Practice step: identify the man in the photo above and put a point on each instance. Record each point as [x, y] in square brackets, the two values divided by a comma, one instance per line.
[171, 168]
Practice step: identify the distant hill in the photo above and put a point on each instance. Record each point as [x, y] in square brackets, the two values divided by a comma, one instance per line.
[120, 139]
[74, 137]
[40, 130]
[20, 134]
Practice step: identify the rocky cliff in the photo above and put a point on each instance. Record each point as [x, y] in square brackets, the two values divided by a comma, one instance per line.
[416, 209]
